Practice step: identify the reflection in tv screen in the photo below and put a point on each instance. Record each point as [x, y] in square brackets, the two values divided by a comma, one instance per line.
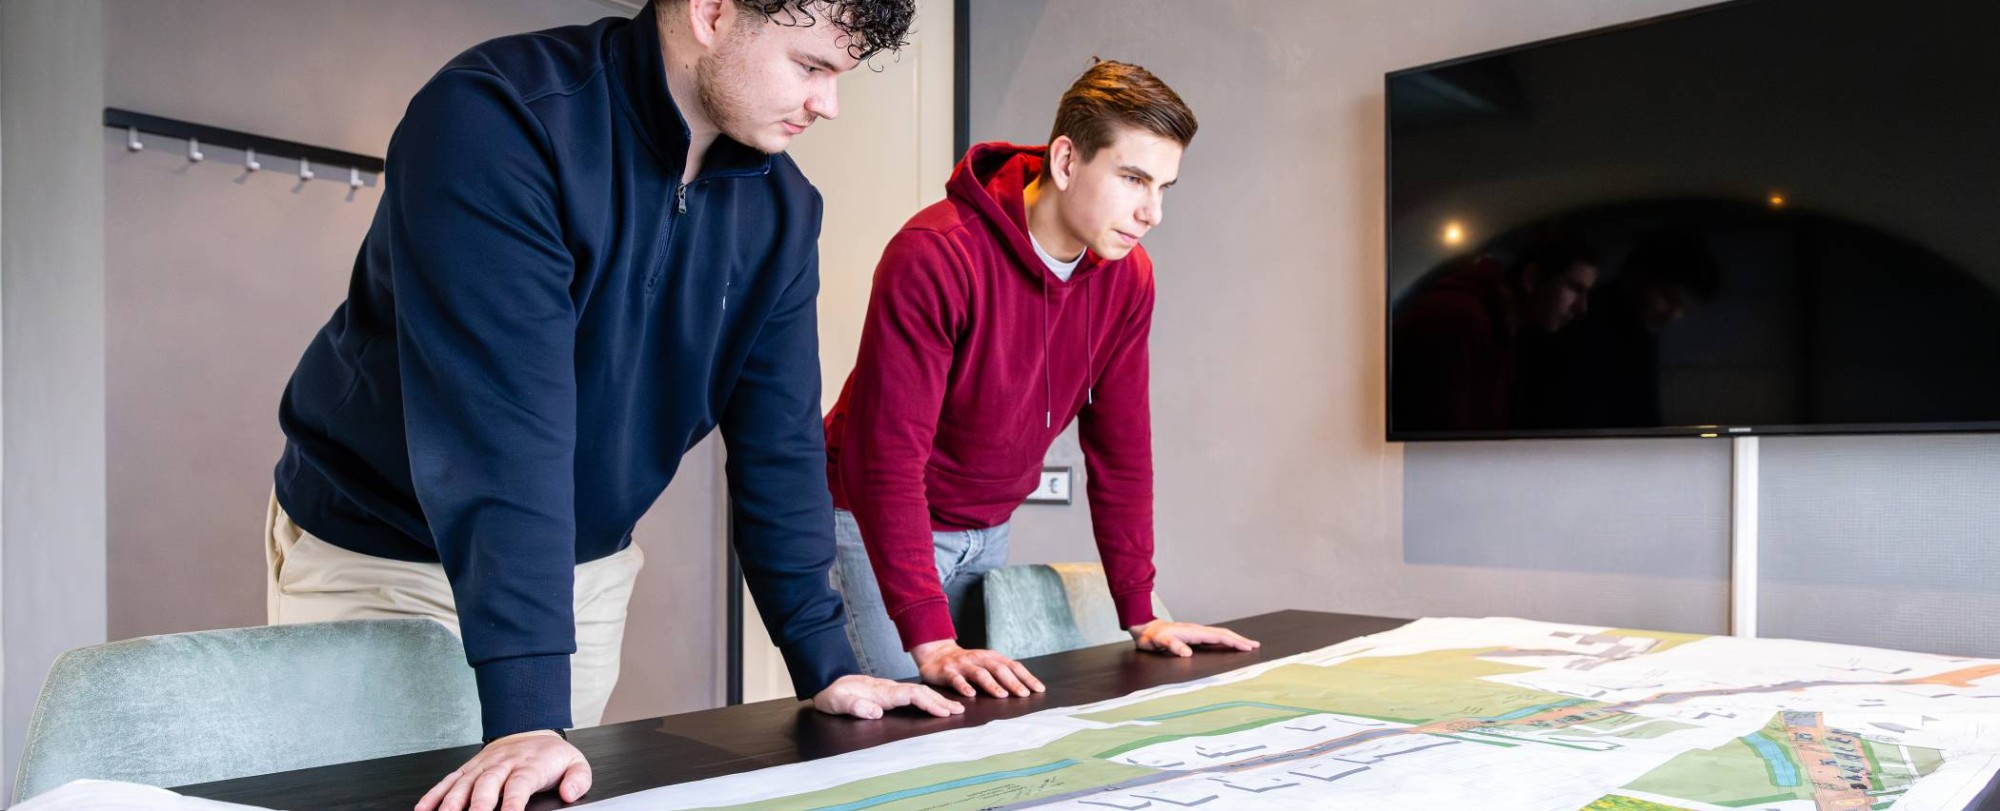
[1771, 215]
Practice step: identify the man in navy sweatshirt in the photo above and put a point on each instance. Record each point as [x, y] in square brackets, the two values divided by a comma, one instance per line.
[1018, 303]
[590, 253]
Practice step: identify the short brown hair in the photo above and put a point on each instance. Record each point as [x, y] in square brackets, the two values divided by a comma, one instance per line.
[1111, 94]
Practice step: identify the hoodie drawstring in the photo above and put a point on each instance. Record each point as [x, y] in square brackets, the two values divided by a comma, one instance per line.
[1048, 377]
[1089, 355]
[1089, 350]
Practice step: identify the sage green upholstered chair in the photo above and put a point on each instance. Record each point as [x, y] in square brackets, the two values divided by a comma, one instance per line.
[212, 705]
[1040, 608]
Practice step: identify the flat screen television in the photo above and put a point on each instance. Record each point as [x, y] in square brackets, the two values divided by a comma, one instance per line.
[1758, 217]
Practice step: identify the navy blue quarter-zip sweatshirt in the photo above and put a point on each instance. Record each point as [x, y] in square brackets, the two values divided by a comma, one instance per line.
[541, 321]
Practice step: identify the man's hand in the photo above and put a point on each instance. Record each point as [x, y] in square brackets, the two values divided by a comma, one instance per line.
[944, 663]
[507, 771]
[1179, 638]
[868, 697]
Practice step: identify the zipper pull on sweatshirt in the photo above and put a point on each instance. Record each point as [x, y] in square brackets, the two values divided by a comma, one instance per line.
[681, 199]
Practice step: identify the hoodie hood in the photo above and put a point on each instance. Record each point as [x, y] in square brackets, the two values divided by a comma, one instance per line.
[993, 180]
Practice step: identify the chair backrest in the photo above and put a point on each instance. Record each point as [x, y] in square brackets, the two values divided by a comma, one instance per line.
[213, 705]
[1040, 608]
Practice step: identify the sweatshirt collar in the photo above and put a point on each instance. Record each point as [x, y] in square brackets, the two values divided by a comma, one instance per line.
[640, 69]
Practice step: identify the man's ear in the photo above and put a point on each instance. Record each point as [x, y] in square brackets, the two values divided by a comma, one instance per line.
[1063, 160]
[707, 20]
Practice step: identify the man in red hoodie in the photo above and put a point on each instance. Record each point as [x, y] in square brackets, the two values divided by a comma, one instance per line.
[1018, 303]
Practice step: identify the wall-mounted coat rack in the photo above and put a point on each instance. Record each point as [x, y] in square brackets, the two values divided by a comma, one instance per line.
[255, 148]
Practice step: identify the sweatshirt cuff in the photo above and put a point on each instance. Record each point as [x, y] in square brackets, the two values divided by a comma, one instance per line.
[523, 693]
[817, 660]
[1134, 608]
[925, 622]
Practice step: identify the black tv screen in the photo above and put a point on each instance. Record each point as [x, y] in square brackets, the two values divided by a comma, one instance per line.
[1765, 216]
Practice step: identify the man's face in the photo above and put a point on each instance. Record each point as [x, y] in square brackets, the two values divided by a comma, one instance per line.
[1555, 299]
[766, 81]
[1114, 198]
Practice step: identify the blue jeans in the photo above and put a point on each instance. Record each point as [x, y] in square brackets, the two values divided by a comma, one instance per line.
[963, 559]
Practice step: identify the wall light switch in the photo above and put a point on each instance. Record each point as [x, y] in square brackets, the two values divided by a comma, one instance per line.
[1053, 488]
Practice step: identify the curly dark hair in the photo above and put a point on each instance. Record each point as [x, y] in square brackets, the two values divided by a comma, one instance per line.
[871, 26]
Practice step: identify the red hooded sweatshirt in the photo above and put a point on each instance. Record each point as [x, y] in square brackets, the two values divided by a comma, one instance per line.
[974, 356]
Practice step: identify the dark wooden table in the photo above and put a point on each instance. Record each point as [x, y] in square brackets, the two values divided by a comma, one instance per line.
[639, 755]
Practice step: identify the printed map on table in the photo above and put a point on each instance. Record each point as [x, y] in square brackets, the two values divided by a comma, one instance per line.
[1452, 714]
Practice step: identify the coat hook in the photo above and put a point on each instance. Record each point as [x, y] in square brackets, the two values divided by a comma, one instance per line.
[250, 163]
[305, 169]
[194, 151]
[132, 139]
[354, 177]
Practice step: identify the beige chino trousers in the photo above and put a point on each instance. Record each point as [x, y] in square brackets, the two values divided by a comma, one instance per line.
[310, 580]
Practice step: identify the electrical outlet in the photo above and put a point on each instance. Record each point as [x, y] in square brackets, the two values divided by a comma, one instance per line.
[1053, 487]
